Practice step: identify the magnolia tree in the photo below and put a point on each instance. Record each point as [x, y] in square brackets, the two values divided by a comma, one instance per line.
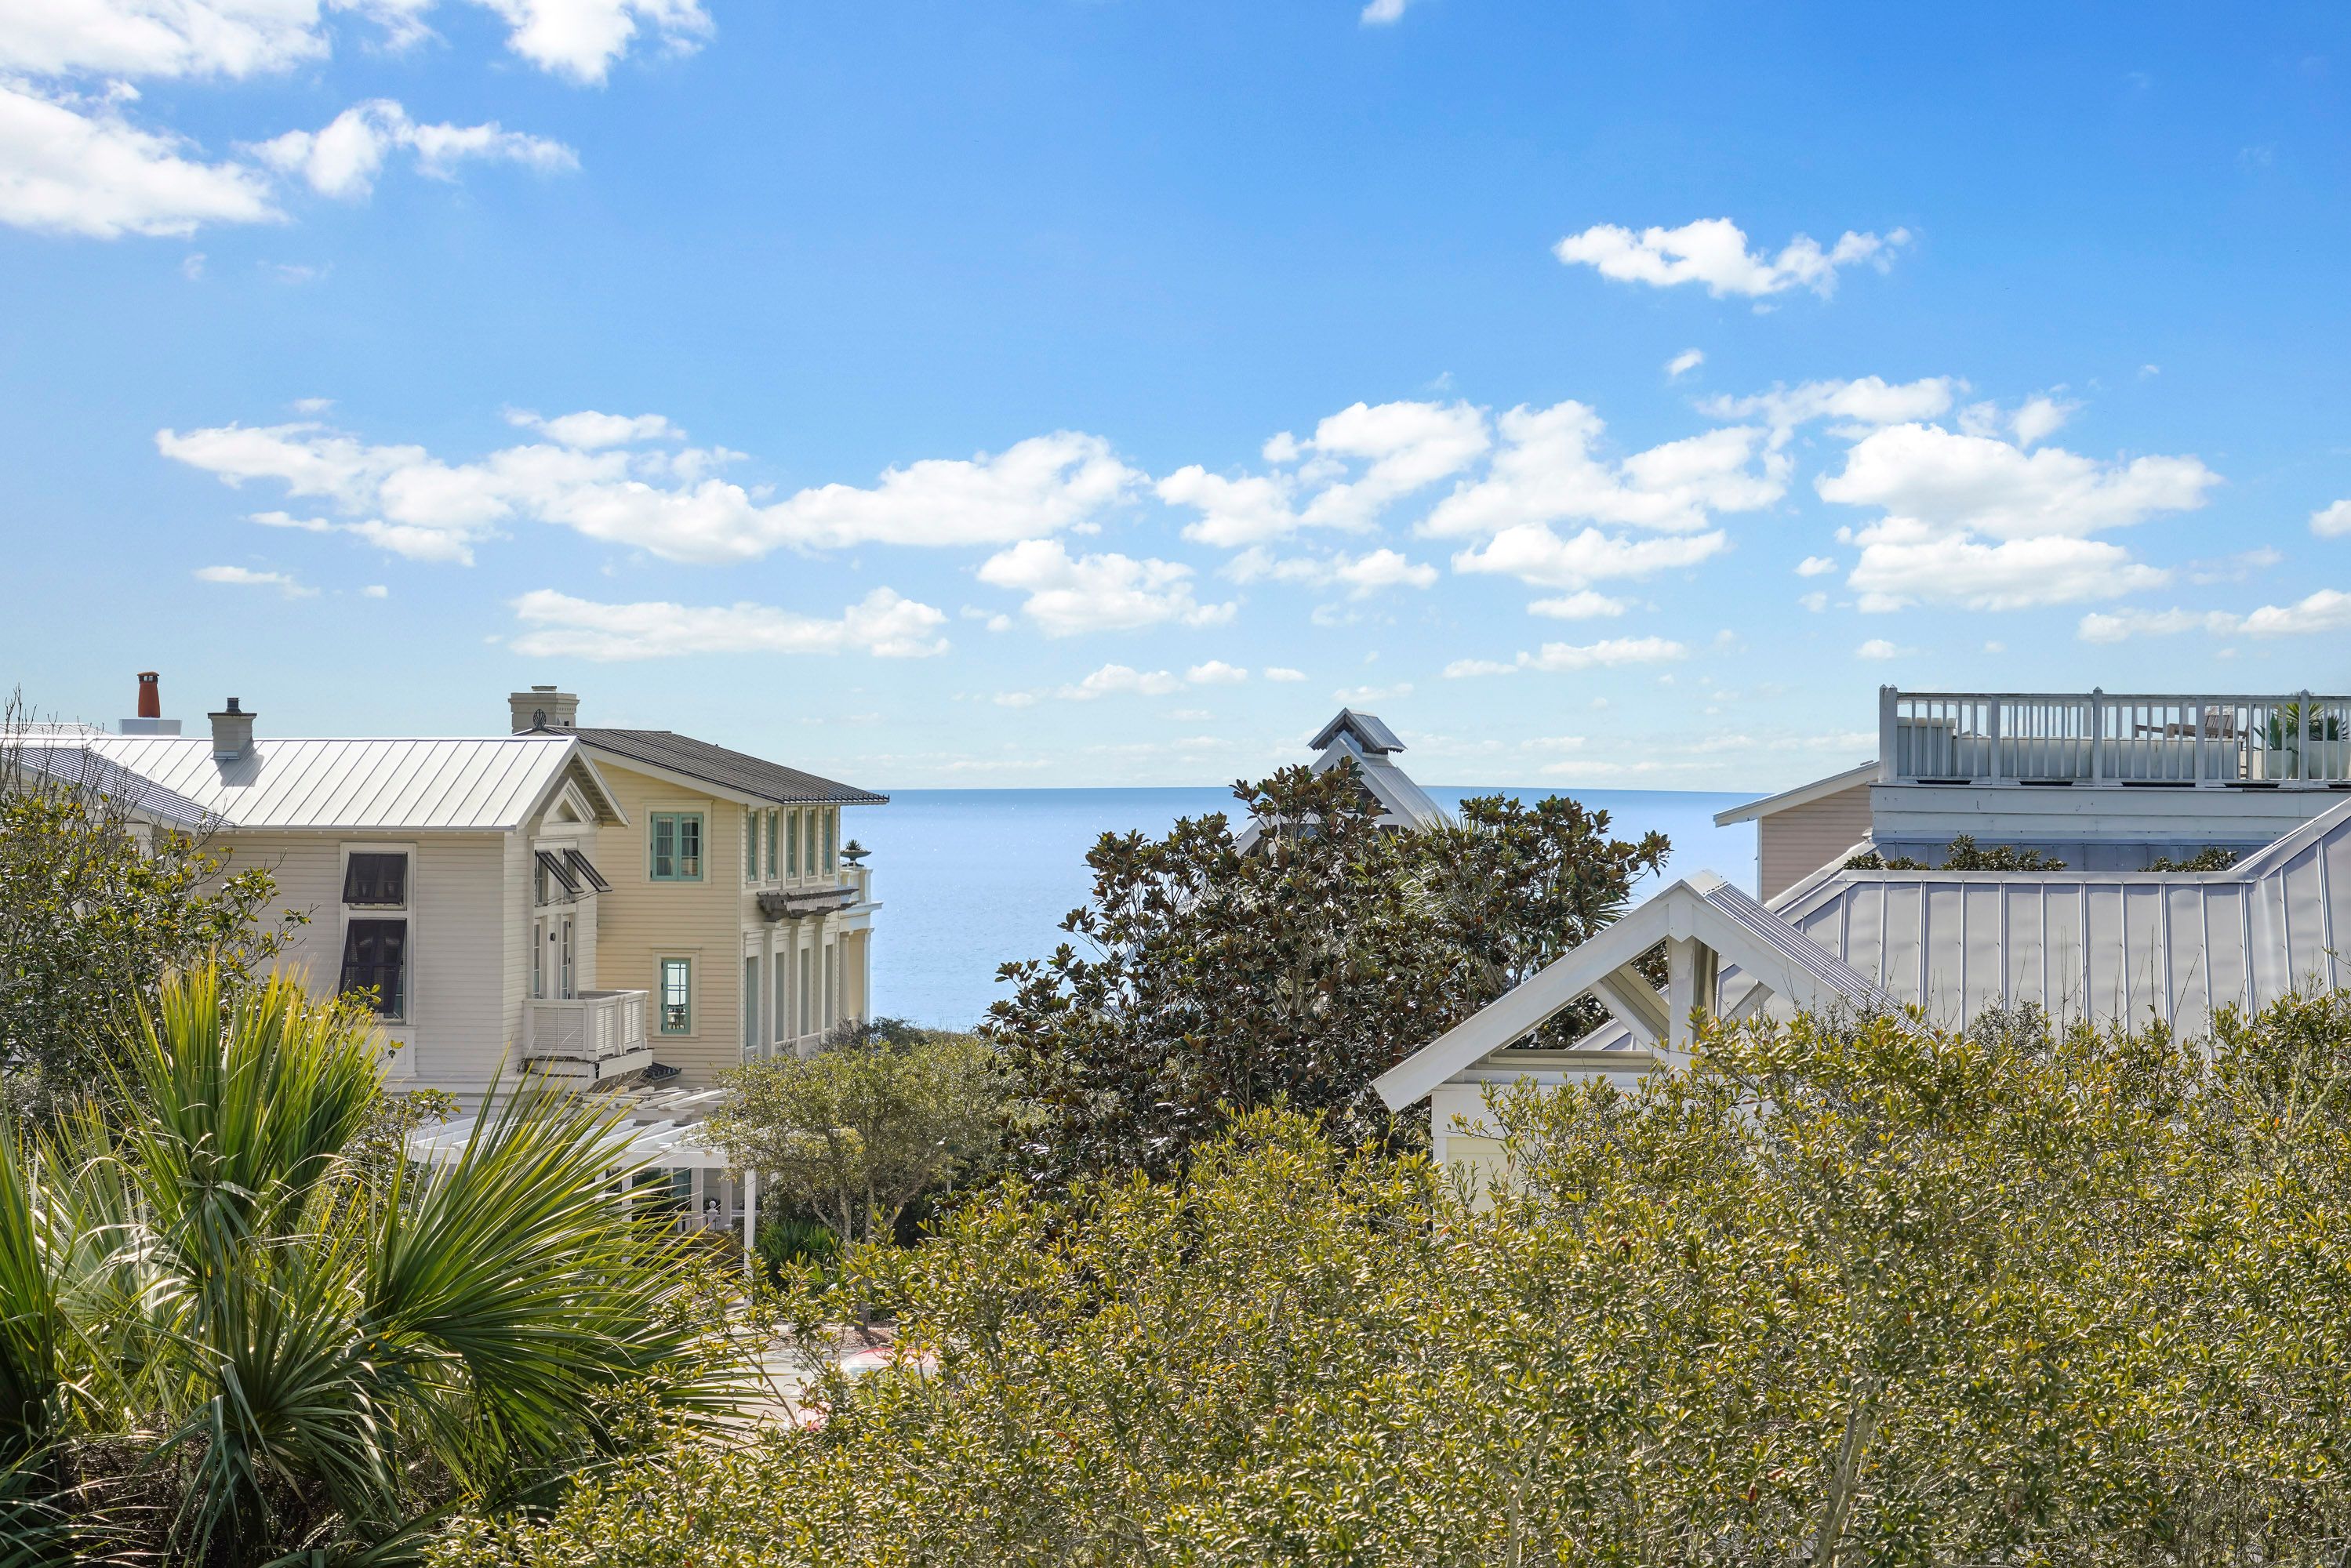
[1204, 981]
[1843, 1294]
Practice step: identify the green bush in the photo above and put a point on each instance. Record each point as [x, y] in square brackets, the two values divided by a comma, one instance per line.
[1843, 1294]
[794, 1242]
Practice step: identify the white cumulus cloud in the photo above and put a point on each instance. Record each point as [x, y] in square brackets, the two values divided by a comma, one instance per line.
[1982, 522]
[1358, 462]
[1585, 605]
[1072, 594]
[667, 502]
[77, 166]
[882, 624]
[1681, 364]
[2332, 521]
[1713, 251]
[344, 157]
[1554, 657]
[1360, 575]
[245, 577]
[2326, 611]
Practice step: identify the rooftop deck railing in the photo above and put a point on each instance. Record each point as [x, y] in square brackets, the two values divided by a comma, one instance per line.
[2096, 738]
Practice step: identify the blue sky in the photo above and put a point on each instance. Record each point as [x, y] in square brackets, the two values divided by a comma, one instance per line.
[1092, 392]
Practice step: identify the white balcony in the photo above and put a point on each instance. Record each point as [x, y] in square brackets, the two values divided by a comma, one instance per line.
[2093, 739]
[586, 1039]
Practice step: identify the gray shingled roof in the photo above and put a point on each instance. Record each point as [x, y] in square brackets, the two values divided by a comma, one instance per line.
[729, 769]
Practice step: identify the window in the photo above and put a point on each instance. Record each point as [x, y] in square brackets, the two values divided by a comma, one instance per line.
[792, 826]
[375, 953]
[675, 1000]
[831, 840]
[774, 820]
[750, 844]
[750, 1008]
[676, 846]
[376, 881]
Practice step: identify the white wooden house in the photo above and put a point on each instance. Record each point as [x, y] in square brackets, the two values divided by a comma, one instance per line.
[453, 880]
[2107, 784]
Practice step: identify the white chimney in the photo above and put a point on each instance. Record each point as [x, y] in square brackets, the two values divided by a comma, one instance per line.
[231, 733]
[542, 707]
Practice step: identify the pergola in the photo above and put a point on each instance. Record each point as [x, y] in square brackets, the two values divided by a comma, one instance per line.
[657, 1133]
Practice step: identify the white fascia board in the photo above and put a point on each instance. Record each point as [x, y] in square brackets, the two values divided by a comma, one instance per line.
[1802, 795]
[1527, 1005]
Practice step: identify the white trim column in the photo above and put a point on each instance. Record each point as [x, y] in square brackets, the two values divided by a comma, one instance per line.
[750, 1219]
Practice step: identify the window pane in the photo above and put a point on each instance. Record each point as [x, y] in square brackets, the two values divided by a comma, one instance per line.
[832, 839]
[750, 844]
[379, 880]
[689, 848]
[374, 953]
[665, 848]
[676, 1000]
[774, 820]
[792, 826]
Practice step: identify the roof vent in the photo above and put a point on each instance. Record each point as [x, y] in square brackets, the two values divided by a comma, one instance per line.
[541, 707]
[150, 719]
[231, 733]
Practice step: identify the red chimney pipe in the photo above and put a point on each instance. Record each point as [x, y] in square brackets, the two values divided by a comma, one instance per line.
[151, 694]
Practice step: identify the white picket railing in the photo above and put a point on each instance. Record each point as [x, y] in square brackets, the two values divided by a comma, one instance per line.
[2094, 739]
[593, 1025]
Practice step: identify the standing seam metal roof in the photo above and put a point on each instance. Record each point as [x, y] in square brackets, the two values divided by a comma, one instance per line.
[2107, 948]
[354, 784]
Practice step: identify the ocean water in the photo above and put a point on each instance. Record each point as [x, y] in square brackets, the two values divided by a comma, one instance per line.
[969, 879]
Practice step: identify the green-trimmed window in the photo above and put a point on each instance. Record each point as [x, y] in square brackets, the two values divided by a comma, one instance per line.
[793, 830]
[676, 846]
[774, 822]
[675, 998]
[832, 839]
[750, 844]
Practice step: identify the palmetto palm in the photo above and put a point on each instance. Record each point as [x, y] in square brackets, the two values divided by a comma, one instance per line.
[219, 1338]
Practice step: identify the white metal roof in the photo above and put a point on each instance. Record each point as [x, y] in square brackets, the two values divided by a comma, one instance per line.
[456, 785]
[2111, 947]
[661, 1130]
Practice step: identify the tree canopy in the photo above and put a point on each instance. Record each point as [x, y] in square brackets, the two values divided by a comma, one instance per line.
[1204, 980]
[1844, 1293]
[858, 1130]
[94, 912]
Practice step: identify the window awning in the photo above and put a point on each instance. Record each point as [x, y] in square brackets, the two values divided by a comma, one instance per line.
[586, 870]
[554, 866]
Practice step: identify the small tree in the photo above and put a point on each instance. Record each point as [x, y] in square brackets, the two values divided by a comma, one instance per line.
[94, 912]
[861, 1128]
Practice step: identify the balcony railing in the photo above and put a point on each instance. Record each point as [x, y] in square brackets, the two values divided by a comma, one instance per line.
[595, 1025]
[2094, 739]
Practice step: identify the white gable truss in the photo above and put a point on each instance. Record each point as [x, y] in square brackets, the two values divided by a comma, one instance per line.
[1725, 954]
